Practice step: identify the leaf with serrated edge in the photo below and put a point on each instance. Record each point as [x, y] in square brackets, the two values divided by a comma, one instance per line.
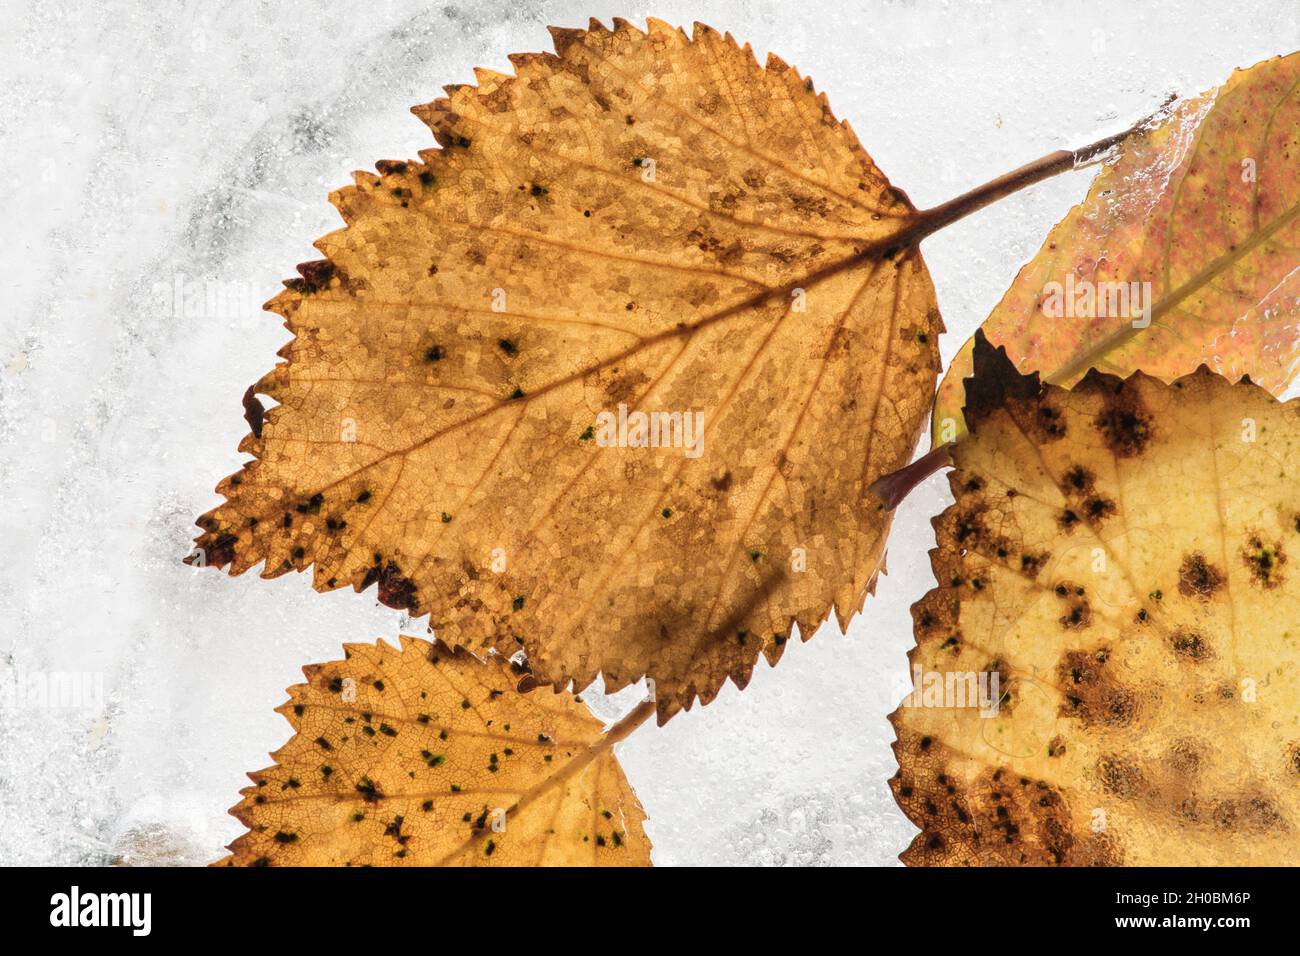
[447, 451]
[1205, 207]
[431, 757]
[1123, 556]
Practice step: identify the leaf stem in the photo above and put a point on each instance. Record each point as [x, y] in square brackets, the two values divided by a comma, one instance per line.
[621, 730]
[933, 219]
[629, 722]
[897, 485]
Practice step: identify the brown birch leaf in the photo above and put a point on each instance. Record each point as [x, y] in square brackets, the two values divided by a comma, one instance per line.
[643, 222]
[1196, 222]
[1123, 556]
[426, 756]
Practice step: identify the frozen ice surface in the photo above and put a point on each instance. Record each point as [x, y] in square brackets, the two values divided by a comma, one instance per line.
[138, 147]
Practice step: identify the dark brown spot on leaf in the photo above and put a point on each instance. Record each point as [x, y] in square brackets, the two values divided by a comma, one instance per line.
[1265, 561]
[1198, 578]
[1124, 424]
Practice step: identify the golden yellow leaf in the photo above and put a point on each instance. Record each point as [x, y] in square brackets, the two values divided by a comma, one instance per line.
[641, 222]
[1202, 209]
[1122, 556]
[431, 757]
